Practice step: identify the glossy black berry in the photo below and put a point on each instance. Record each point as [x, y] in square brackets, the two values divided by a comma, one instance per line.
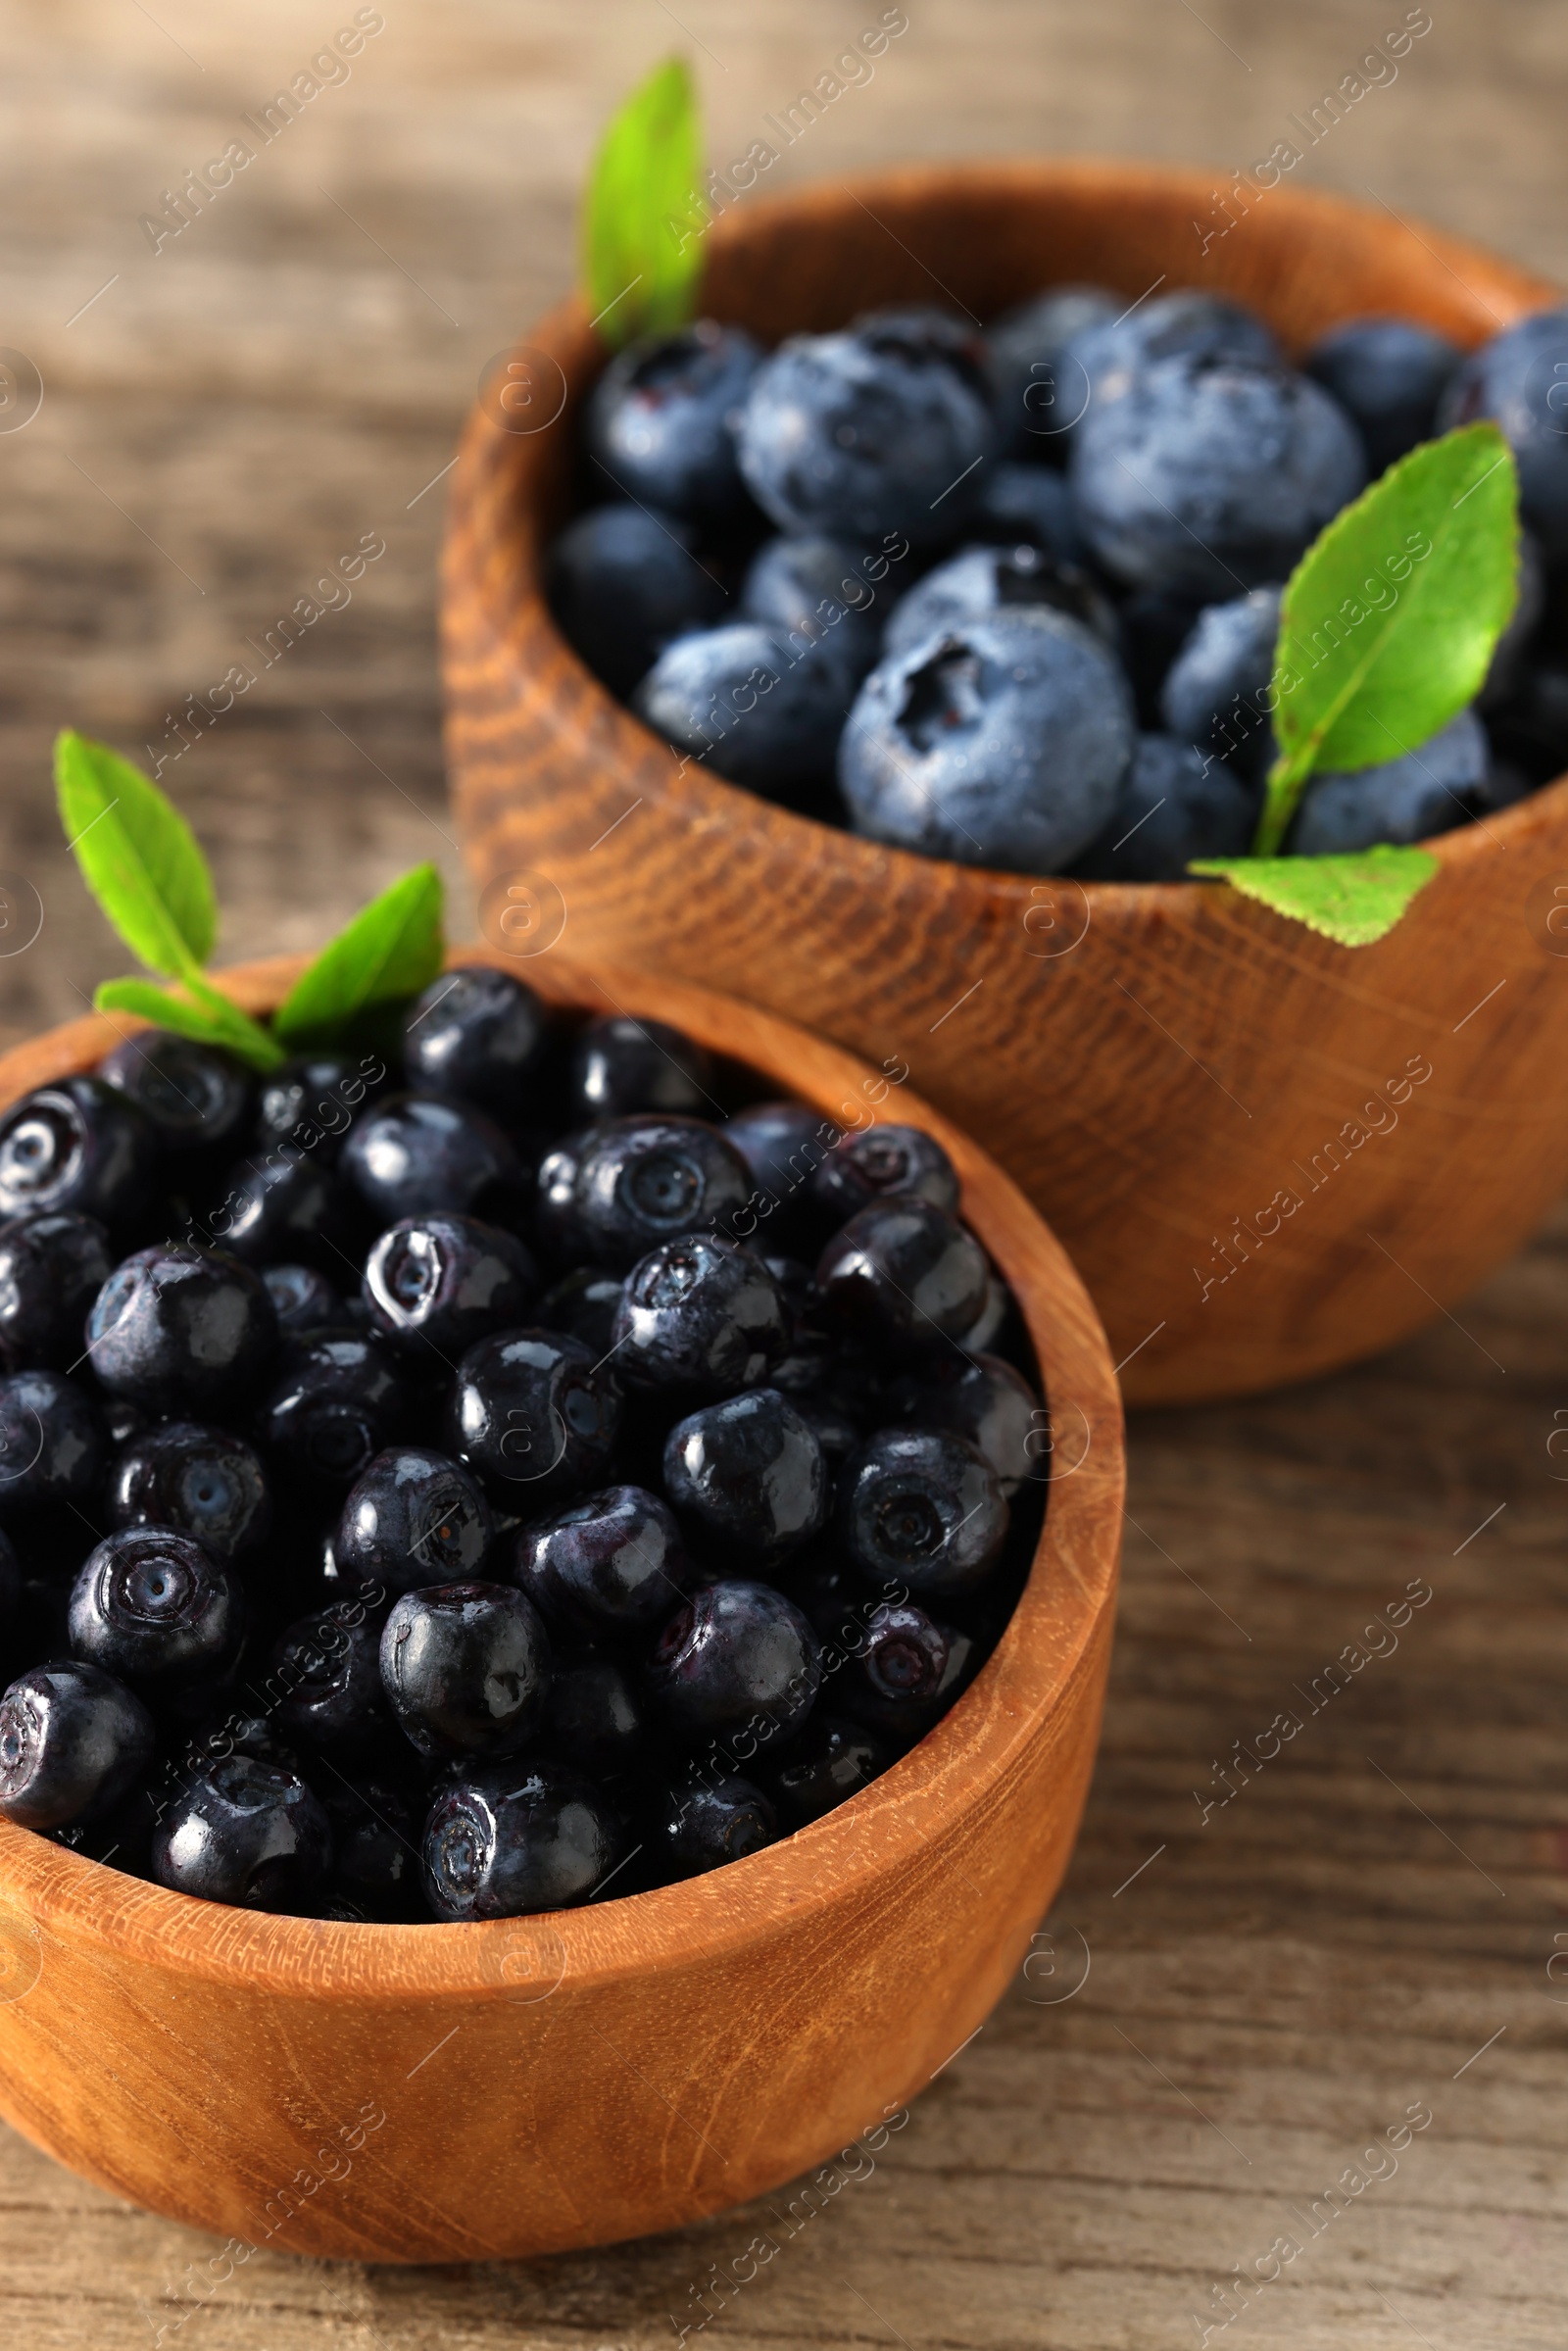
[246, 1832]
[414, 1155]
[514, 1839]
[904, 1273]
[339, 1400]
[157, 1610]
[313, 1102]
[907, 1674]
[195, 1096]
[923, 1508]
[375, 1846]
[301, 1299]
[984, 1400]
[465, 1668]
[735, 1654]
[622, 1065]
[535, 1416]
[79, 1145]
[415, 1517]
[197, 1480]
[701, 1315]
[51, 1269]
[435, 1284]
[881, 1160]
[699, 1827]
[584, 1304]
[611, 1564]
[593, 1718]
[478, 1033]
[179, 1329]
[326, 1680]
[73, 1741]
[641, 1181]
[286, 1205]
[749, 1472]
[783, 1144]
[828, 1761]
[51, 1443]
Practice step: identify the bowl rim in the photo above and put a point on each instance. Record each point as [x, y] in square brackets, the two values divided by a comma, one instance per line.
[1048, 1643]
[506, 570]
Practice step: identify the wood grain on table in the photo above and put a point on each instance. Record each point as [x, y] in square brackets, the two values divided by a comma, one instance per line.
[1370, 1923]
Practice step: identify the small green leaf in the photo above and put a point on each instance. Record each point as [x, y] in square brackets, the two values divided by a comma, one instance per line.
[1391, 617]
[1354, 899]
[392, 947]
[138, 856]
[645, 217]
[214, 1020]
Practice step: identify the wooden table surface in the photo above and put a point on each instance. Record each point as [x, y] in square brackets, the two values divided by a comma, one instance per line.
[1230, 2001]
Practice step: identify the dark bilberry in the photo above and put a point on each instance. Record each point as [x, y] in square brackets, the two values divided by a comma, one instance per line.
[830, 1760]
[701, 1315]
[1426, 790]
[72, 1741]
[904, 1273]
[783, 1144]
[304, 1300]
[640, 1181]
[989, 1404]
[1389, 375]
[1031, 506]
[288, 1204]
[750, 704]
[879, 1160]
[313, 1100]
[465, 1668]
[435, 1284]
[625, 582]
[195, 1096]
[327, 1676]
[414, 1155]
[621, 1066]
[198, 1481]
[180, 1329]
[246, 1832]
[1176, 803]
[53, 1443]
[895, 1681]
[612, 1564]
[537, 1417]
[338, 1401]
[980, 581]
[593, 1718]
[922, 1507]
[748, 1474]
[1039, 394]
[1216, 692]
[478, 1033]
[584, 1304]
[735, 1654]
[79, 1144]
[516, 1837]
[697, 1826]
[819, 591]
[414, 1517]
[1186, 325]
[51, 1269]
[157, 1610]
[1517, 378]
[661, 419]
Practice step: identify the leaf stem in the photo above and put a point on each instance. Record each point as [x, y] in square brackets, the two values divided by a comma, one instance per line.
[1286, 779]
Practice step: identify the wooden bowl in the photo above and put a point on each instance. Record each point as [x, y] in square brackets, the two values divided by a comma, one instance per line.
[461, 2094]
[1193, 1091]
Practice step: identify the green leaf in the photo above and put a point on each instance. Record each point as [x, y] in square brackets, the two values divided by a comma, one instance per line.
[645, 217]
[1354, 899]
[1391, 617]
[138, 856]
[392, 947]
[214, 1020]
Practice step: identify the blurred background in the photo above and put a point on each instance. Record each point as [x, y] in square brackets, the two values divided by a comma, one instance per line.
[227, 414]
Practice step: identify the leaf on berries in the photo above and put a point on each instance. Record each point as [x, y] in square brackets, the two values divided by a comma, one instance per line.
[137, 855]
[1354, 899]
[645, 218]
[1391, 618]
[392, 949]
[213, 1020]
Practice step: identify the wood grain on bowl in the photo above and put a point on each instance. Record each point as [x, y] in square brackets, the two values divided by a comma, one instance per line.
[1268, 1155]
[457, 2093]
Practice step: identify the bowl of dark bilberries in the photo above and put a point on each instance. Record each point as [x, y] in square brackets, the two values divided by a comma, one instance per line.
[1097, 659]
[557, 1545]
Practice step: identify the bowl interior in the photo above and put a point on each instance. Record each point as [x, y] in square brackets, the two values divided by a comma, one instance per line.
[1069, 1591]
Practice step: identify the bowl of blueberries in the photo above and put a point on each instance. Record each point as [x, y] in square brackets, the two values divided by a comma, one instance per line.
[885, 645]
[556, 1565]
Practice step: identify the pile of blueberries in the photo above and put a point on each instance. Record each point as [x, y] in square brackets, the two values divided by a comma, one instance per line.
[527, 1465]
[1011, 597]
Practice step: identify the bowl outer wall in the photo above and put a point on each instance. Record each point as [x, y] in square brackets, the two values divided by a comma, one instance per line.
[439, 2092]
[1161, 1085]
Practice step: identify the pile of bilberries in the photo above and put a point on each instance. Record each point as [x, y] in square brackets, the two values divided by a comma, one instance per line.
[1021, 604]
[535, 1467]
